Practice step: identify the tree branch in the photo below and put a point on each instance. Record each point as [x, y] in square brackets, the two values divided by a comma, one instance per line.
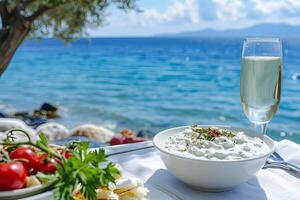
[27, 2]
[4, 13]
[10, 41]
[3, 35]
[41, 10]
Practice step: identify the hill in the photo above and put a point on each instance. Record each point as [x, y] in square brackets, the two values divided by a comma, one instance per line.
[259, 30]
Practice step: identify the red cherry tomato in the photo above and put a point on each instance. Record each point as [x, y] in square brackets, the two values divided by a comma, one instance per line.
[47, 165]
[27, 156]
[12, 176]
[67, 154]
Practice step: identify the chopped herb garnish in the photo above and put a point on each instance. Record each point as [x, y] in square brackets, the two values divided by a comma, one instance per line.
[210, 133]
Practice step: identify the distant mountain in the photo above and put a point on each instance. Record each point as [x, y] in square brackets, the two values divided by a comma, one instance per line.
[259, 30]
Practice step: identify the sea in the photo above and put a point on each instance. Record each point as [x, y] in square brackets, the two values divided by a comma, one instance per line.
[144, 83]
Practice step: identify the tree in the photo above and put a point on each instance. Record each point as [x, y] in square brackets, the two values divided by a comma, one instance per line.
[64, 19]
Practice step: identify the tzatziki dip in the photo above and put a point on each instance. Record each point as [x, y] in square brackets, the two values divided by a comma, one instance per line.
[215, 144]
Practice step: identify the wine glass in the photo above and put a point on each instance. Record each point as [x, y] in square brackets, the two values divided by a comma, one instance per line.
[260, 80]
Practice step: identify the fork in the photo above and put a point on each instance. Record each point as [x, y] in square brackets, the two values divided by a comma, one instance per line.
[279, 166]
[275, 158]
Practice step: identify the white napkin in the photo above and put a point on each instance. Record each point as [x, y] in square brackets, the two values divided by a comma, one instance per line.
[274, 184]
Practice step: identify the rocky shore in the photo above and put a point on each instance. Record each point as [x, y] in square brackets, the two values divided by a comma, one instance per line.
[42, 120]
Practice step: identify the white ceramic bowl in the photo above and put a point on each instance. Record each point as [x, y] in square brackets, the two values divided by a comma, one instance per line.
[211, 175]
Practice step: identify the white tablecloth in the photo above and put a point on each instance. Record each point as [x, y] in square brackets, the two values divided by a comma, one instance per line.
[274, 184]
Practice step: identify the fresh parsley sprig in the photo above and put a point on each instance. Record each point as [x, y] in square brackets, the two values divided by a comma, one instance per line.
[84, 169]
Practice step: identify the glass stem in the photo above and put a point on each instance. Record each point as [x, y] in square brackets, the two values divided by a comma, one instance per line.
[260, 129]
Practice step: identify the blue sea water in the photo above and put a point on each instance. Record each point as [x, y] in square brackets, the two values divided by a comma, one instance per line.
[144, 83]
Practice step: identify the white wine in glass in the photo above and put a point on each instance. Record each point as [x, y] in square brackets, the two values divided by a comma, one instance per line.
[261, 74]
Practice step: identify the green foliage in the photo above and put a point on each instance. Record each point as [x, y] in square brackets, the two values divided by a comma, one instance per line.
[65, 19]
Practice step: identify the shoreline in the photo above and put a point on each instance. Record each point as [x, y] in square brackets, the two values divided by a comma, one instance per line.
[65, 128]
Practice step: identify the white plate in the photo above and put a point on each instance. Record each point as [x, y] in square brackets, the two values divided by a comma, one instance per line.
[21, 193]
[155, 193]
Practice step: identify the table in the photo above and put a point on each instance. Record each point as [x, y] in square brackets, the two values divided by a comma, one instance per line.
[274, 184]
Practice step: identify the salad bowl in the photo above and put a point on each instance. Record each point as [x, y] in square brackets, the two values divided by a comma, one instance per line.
[211, 175]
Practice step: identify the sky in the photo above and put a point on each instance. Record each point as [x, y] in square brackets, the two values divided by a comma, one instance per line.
[172, 16]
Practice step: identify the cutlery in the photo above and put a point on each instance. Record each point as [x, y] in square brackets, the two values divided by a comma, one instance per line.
[126, 148]
[278, 166]
[283, 167]
[275, 158]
